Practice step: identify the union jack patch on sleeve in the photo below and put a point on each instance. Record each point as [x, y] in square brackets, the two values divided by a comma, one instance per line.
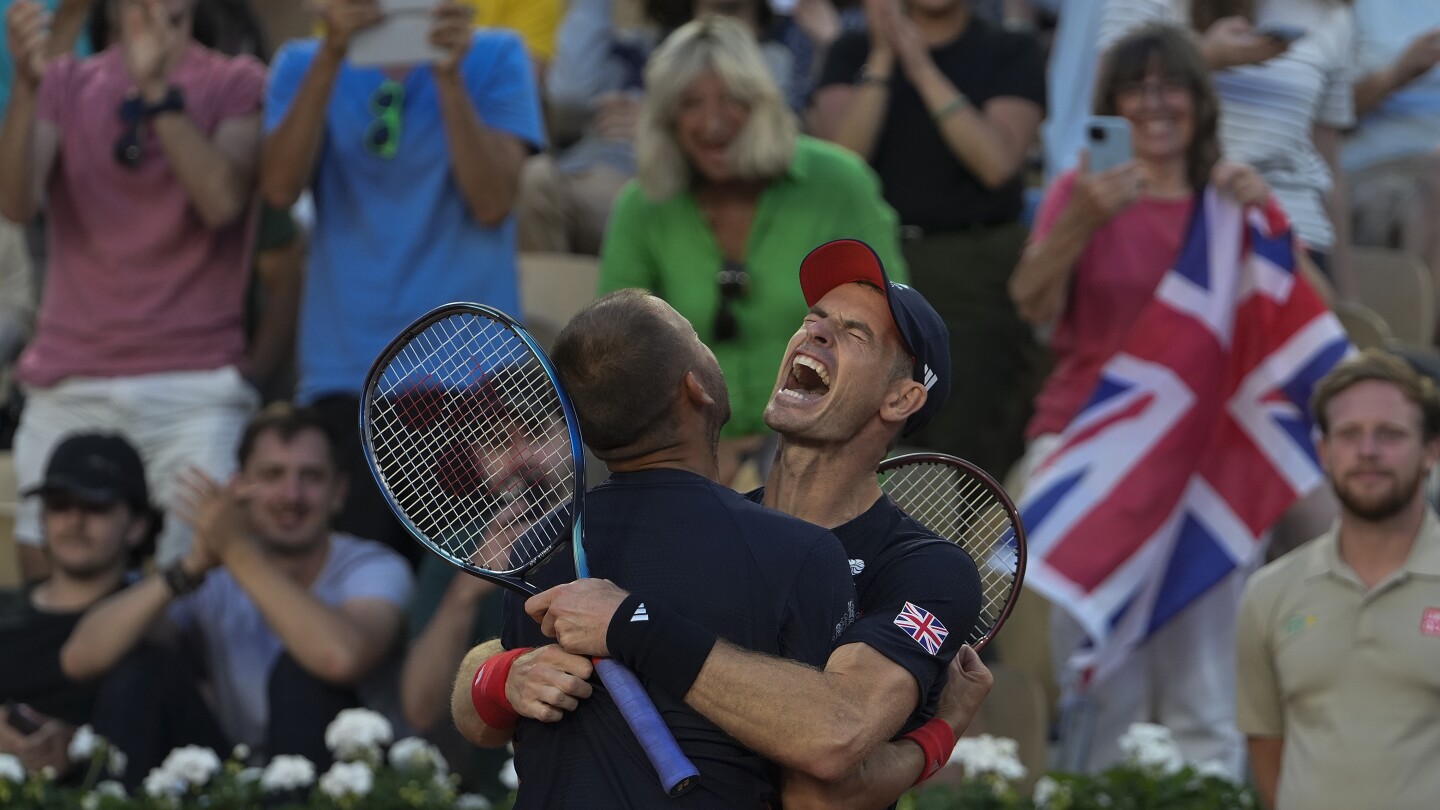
[922, 625]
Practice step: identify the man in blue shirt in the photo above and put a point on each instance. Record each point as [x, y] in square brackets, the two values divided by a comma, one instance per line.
[651, 400]
[414, 174]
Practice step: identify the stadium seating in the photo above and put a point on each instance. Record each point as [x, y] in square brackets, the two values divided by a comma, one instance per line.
[1398, 287]
[553, 287]
[9, 569]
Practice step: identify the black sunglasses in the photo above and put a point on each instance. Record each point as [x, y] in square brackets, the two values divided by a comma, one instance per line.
[734, 281]
[127, 146]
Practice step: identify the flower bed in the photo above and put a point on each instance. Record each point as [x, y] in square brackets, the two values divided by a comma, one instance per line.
[410, 774]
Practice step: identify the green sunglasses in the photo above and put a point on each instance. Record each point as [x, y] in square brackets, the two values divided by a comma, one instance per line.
[382, 137]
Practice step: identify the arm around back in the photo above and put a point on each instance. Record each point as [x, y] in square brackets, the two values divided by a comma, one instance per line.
[822, 723]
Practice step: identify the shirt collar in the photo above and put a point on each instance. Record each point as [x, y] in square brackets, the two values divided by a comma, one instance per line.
[1424, 558]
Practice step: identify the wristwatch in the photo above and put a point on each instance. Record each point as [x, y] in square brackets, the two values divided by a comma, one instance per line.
[174, 101]
[866, 76]
[179, 580]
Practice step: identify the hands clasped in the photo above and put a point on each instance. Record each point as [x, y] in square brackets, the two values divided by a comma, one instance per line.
[577, 614]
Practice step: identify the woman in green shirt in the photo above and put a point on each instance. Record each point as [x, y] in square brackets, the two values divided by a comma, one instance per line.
[727, 200]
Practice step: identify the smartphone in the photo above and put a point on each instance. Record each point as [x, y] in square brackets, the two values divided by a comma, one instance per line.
[19, 719]
[402, 38]
[1108, 139]
[1285, 33]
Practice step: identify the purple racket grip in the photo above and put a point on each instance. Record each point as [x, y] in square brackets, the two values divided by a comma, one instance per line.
[677, 774]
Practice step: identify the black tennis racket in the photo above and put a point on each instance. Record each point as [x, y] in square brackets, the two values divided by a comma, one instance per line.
[477, 448]
[961, 503]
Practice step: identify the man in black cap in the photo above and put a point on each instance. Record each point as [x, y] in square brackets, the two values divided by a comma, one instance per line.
[96, 515]
[869, 365]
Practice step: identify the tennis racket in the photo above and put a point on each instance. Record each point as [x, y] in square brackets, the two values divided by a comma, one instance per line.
[961, 503]
[477, 449]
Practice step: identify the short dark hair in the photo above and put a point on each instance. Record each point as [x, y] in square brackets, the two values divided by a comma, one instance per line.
[621, 362]
[1381, 366]
[1177, 54]
[288, 421]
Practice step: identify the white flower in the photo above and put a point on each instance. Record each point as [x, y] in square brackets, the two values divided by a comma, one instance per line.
[287, 772]
[412, 753]
[347, 779]
[1213, 768]
[471, 801]
[193, 764]
[118, 762]
[1152, 748]
[508, 777]
[357, 732]
[1049, 793]
[240, 752]
[161, 782]
[996, 756]
[83, 744]
[11, 770]
[107, 789]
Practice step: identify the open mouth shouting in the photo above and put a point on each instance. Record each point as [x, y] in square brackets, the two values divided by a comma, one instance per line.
[808, 380]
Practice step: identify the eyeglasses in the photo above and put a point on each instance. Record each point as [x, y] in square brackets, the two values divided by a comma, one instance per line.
[382, 137]
[1163, 90]
[734, 281]
[127, 146]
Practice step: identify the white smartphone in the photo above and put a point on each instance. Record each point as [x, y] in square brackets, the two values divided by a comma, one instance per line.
[1108, 139]
[402, 38]
[1285, 33]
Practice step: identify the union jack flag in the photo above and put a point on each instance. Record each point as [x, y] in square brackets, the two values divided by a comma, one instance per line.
[923, 626]
[1197, 437]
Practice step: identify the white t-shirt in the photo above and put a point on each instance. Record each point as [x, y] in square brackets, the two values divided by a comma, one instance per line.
[1407, 123]
[239, 649]
[1269, 110]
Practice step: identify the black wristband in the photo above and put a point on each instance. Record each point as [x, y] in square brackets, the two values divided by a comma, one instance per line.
[658, 644]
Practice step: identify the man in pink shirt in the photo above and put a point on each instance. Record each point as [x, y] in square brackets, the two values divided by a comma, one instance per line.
[144, 156]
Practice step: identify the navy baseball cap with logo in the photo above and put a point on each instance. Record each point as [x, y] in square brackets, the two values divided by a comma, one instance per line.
[98, 467]
[921, 328]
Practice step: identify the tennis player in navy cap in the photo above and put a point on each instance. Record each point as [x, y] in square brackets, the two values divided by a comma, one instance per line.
[869, 365]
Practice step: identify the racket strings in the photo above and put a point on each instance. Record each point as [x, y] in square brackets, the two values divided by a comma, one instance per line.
[964, 510]
[471, 441]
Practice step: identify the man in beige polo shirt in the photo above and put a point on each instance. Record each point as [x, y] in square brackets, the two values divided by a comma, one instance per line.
[1338, 666]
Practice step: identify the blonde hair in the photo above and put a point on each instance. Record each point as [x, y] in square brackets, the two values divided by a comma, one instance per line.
[764, 148]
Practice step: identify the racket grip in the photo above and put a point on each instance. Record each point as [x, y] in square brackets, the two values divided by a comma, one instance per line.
[677, 774]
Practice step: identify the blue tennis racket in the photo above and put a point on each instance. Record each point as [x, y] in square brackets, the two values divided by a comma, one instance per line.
[477, 448]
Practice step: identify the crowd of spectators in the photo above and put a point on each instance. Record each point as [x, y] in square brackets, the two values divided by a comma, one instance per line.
[190, 234]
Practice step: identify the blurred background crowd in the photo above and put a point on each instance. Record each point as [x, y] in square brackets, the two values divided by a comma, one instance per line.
[214, 220]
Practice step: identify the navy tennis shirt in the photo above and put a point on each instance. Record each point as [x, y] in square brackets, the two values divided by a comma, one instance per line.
[760, 579]
[920, 596]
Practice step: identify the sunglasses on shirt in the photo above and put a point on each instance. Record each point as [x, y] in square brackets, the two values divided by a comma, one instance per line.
[734, 282]
[382, 137]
